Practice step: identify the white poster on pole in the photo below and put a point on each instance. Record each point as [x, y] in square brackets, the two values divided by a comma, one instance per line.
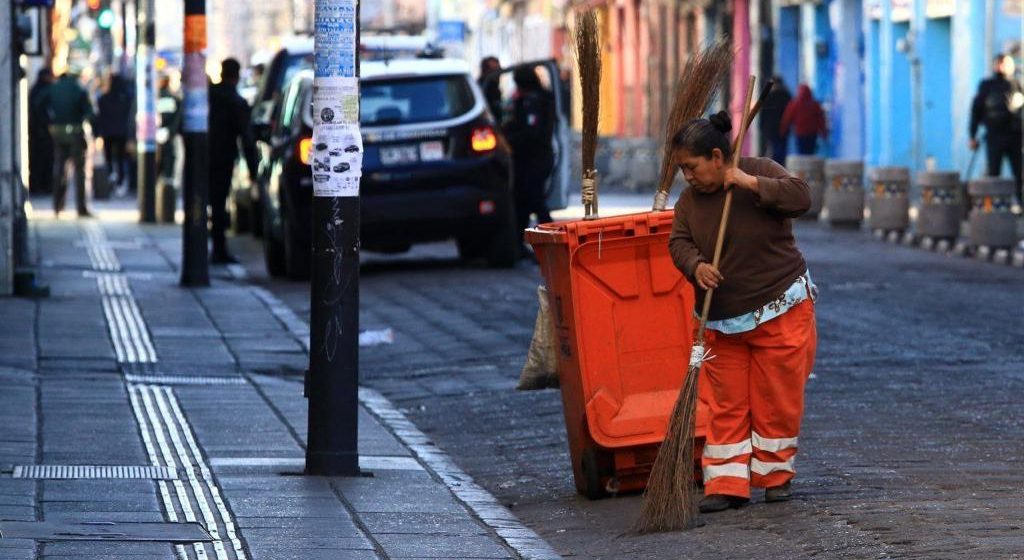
[337, 160]
[335, 101]
[337, 156]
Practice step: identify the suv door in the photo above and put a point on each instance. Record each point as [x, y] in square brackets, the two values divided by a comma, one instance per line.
[547, 71]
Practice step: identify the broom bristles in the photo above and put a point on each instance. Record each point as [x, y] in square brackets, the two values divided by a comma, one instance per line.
[699, 82]
[668, 502]
[586, 39]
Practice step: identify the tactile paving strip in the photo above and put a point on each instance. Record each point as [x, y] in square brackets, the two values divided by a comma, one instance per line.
[127, 328]
[94, 471]
[101, 255]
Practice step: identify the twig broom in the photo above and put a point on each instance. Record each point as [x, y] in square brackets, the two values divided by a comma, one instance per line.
[586, 38]
[668, 503]
[702, 76]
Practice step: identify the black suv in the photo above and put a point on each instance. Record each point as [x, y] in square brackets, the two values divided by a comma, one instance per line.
[435, 167]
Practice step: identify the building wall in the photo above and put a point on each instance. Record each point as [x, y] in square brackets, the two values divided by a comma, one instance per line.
[970, 67]
[787, 45]
[937, 78]
[873, 91]
[847, 118]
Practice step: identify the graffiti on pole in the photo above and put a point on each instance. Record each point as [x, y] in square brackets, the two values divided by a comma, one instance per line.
[337, 160]
[196, 109]
[145, 82]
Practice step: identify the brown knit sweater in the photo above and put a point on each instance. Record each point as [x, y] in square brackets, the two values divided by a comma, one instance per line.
[760, 259]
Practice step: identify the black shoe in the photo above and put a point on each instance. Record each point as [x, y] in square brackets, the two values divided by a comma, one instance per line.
[715, 503]
[223, 258]
[782, 493]
[84, 214]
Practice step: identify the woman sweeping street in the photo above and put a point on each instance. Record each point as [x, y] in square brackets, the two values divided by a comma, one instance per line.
[761, 328]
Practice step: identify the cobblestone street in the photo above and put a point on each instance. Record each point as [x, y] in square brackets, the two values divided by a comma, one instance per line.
[910, 446]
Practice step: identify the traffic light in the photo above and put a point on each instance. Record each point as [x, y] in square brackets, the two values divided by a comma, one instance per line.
[105, 19]
[94, 5]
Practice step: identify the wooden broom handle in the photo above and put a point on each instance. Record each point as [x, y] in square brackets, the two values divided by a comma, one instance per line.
[737, 148]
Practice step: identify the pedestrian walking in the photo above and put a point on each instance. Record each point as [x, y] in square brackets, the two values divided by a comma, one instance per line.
[40, 159]
[804, 115]
[489, 67]
[115, 119]
[529, 131]
[773, 138]
[761, 326]
[69, 108]
[997, 106]
[229, 126]
[168, 106]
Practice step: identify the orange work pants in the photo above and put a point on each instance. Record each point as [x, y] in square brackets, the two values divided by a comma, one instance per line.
[755, 392]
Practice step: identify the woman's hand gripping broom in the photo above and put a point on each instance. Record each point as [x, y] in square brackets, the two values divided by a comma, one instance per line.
[668, 502]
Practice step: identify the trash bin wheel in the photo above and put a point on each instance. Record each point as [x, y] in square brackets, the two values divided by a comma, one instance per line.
[590, 463]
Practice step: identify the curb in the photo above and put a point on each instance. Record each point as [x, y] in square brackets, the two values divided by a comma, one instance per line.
[520, 538]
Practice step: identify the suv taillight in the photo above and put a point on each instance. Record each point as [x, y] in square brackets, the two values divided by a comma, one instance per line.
[305, 148]
[484, 139]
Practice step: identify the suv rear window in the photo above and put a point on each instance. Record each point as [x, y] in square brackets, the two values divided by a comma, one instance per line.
[281, 72]
[414, 100]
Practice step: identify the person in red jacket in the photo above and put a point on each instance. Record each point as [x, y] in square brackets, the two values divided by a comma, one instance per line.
[807, 119]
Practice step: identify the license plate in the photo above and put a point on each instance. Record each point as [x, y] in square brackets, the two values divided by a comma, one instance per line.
[398, 155]
[431, 151]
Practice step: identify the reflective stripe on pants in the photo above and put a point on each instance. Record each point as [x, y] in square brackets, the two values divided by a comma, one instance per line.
[756, 399]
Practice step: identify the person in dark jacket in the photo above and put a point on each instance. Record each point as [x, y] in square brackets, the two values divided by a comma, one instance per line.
[997, 105]
[114, 121]
[69, 108]
[529, 131]
[168, 105]
[492, 89]
[773, 140]
[229, 126]
[805, 116]
[40, 161]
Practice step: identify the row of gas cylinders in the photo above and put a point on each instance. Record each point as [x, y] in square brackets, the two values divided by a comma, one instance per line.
[837, 188]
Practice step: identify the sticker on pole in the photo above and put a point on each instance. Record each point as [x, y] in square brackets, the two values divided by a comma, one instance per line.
[336, 160]
[335, 101]
[196, 106]
[335, 40]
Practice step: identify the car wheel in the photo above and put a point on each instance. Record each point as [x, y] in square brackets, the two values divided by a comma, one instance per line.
[297, 249]
[503, 246]
[273, 249]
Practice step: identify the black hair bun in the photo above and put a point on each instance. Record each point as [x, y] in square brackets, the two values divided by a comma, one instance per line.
[721, 121]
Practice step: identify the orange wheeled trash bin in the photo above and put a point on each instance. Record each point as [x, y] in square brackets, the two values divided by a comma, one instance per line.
[623, 320]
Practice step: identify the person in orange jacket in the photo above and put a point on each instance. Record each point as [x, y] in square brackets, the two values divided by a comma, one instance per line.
[761, 327]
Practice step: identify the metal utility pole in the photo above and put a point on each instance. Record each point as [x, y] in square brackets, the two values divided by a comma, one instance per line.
[145, 95]
[195, 265]
[333, 383]
[8, 181]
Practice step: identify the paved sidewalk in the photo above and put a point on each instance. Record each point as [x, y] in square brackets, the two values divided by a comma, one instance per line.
[198, 390]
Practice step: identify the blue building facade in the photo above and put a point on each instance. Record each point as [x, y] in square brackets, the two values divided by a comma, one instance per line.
[896, 77]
